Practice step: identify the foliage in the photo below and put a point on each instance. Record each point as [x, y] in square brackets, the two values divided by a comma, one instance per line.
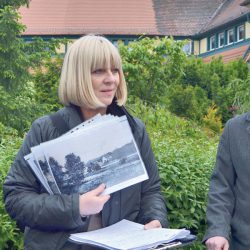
[17, 100]
[157, 71]
[11, 238]
[18, 110]
[13, 3]
[185, 157]
[46, 79]
[240, 91]
[13, 61]
[150, 65]
[212, 121]
[190, 102]
[215, 79]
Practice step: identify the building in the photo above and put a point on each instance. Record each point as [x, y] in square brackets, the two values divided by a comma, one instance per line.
[214, 27]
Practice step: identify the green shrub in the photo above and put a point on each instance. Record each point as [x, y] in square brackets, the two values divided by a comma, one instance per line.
[239, 89]
[18, 110]
[150, 65]
[215, 79]
[212, 121]
[185, 157]
[190, 102]
[46, 80]
[11, 237]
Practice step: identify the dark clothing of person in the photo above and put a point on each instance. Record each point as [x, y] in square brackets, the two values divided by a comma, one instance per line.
[50, 219]
[228, 210]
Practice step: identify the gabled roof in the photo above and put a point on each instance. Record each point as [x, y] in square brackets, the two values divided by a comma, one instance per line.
[78, 17]
[184, 17]
[129, 17]
[244, 3]
[230, 10]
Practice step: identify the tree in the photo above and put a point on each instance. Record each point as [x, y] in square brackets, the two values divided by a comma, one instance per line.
[13, 60]
[151, 65]
[14, 3]
[75, 167]
[17, 94]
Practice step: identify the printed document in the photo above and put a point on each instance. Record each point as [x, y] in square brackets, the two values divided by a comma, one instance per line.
[128, 235]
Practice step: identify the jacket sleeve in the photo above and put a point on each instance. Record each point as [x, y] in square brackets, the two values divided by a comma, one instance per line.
[153, 206]
[221, 197]
[27, 203]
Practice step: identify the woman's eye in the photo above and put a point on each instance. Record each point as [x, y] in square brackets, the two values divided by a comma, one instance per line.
[98, 71]
[115, 71]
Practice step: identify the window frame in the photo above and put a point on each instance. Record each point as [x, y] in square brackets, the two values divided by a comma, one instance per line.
[219, 35]
[211, 42]
[228, 36]
[238, 32]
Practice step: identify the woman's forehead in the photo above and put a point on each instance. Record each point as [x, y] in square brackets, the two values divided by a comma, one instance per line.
[105, 64]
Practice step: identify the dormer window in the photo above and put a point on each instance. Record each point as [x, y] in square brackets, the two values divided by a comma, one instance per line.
[230, 36]
[240, 33]
[221, 39]
[212, 43]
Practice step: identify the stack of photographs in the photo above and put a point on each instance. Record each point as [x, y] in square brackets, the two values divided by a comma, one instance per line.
[100, 150]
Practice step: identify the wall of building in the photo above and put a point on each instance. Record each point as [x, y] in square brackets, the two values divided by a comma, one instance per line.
[196, 47]
[203, 45]
[247, 29]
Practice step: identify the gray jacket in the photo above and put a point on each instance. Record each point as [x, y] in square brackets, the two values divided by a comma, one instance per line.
[50, 219]
[228, 210]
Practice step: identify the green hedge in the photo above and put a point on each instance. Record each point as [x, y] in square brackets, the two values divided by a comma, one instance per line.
[185, 155]
[10, 235]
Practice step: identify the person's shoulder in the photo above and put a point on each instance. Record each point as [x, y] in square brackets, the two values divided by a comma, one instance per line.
[238, 125]
[239, 119]
[44, 127]
[139, 122]
[42, 123]
[45, 120]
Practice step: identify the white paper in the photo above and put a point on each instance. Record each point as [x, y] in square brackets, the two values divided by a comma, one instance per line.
[127, 235]
[100, 150]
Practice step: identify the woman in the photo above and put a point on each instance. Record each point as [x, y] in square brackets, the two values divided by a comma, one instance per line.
[92, 82]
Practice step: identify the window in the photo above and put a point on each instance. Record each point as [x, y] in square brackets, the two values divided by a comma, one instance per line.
[212, 43]
[187, 48]
[240, 33]
[230, 36]
[221, 38]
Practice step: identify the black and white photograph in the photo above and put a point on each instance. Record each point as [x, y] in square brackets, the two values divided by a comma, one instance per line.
[38, 172]
[100, 154]
[42, 163]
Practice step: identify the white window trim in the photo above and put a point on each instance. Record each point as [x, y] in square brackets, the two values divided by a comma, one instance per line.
[238, 32]
[219, 45]
[228, 43]
[211, 42]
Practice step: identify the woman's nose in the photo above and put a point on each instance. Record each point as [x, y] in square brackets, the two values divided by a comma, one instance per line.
[109, 77]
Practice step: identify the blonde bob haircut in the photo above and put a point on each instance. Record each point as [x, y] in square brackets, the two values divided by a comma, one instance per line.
[84, 56]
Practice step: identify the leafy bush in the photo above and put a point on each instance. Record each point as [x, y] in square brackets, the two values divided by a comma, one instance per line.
[11, 237]
[185, 157]
[46, 79]
[241, 96]
[215, 79]
[18, 110]
[150, 65]
[212, 121]
[190, 102]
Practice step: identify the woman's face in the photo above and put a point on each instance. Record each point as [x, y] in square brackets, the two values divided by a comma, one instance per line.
[105, 83]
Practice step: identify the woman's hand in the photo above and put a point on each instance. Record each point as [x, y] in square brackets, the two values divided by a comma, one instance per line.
[152, 224]
[217, 243]
[92, 202]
